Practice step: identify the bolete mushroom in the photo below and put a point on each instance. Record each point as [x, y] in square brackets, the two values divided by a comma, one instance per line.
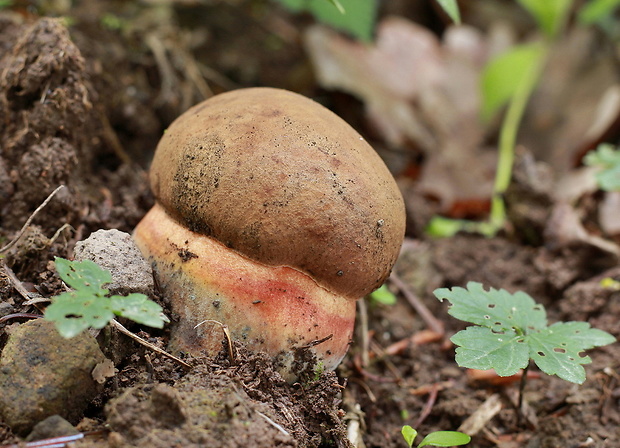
[272, 216]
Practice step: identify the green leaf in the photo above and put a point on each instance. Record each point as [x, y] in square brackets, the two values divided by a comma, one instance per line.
[75, 311]
[502, 76]
[557, 349]
[445, 438]
[597, 10]
[607, 158]
[513, 329]
[549, 14]
[442, 227]
[359, 19]
[480, 348]
[496, 309]
[409, 434]
[383, 296]
[338, 6]
[88, 307]
[84, 275]
[451, 8]
[139, 308]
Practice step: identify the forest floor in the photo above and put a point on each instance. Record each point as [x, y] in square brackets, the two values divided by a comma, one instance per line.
[83, 102]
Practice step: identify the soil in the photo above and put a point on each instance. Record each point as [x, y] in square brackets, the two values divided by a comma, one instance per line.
[83, 102]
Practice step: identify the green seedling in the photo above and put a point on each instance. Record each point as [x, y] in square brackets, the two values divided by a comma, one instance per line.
[509, 81]
[610, 283]
[355, 17]
[606, 158]
[383, 296]
[451, 8]
[437, 438]
[511, 329]
[88, 304]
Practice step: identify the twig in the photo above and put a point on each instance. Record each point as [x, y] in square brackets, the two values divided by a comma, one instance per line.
[147, 344]
[371, 396]
[29, 220]
[31, 297]
[317, 342]
[20, 315]
[274, 424]
[231, 348]
[481, 416]
[428, 406]
[431, 321]
[362, 309]
[57, 442]
[419, 338]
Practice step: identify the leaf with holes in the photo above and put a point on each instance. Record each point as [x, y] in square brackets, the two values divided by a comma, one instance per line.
[496, 309]
[557, 350]
[75, 311]
[139, 308]
[88, 305]
[480, 348]
[512, 329]
[83, 275]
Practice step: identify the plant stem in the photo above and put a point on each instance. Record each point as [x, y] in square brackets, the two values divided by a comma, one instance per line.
[508, 136]
[520, 413]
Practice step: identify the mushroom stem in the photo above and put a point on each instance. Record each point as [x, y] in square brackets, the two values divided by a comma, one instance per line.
[274, 309]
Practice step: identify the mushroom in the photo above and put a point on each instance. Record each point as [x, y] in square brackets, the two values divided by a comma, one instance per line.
[272, 217]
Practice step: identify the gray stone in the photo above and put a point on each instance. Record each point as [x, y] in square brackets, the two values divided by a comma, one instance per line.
[116, 251]
[54, 426]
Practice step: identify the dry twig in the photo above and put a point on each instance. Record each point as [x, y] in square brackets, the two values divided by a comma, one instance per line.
[431, 321]
[29, 220]
[147, 344]
[229, 343]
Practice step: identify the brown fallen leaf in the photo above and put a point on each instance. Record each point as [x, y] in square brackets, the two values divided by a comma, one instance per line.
[418, 89]
[103, 371]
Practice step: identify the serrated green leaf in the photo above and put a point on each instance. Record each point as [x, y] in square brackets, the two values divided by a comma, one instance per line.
[496, 309]
[558, 349]
[409, 434]
[451, 8]
[359, 19]
[445, 438]
[503, 76]
[480, 348]
[607, 158]
[138, 308]
[609, 180]
[514, 330]
[549, 14]
[88, 307]
[75, 311]
[605, 155]
[83, 275]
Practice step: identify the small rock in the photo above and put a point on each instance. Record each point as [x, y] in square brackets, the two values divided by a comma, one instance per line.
[42, 374]
[54, 426]
[116, 251]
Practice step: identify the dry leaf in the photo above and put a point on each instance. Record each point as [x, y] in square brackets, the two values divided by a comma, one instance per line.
[417, 89]
[103, 371]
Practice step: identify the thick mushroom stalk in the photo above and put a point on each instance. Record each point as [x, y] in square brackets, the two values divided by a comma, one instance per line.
[273, 217]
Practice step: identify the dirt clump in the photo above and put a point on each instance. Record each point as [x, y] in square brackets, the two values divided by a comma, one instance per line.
[42, 374]
[247, 402]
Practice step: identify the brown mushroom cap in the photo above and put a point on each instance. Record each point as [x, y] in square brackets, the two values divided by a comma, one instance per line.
[285, 182]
